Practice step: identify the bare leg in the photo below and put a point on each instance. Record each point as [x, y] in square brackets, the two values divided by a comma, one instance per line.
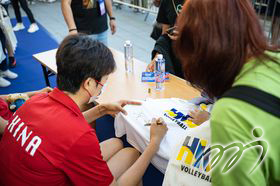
[10, 50]
[121, 161]
[110, 147]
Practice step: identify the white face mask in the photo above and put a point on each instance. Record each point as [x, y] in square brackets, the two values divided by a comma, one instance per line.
[93, 98]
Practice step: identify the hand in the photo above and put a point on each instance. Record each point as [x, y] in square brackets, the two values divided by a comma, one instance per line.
[199, 117]
[151, 66]
[157, 131]
[174, 36]
[46, 90]
[114, 108]
[113, 26]
[73, 32]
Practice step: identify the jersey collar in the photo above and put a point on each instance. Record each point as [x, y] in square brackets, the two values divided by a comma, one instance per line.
[65, 100]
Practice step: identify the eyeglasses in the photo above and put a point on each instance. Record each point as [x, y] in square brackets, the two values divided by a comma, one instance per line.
[99, 83]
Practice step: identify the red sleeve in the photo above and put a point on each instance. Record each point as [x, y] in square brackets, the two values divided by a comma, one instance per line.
[84, 164]
[5, 112]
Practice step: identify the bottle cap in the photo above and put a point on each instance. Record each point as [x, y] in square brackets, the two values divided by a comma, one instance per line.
[127, 42]
[159, 56]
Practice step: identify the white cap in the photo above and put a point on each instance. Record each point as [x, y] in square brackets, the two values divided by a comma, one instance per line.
[160, 56]
[127, 42]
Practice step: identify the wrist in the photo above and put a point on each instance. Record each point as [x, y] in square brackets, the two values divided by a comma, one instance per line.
[101, 109]
[154, 144]
[72, 29]
[112, 18]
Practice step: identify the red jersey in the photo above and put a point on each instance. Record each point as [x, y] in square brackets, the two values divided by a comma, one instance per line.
[49, 142]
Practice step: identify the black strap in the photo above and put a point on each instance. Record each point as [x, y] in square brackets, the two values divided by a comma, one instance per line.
[265, 101]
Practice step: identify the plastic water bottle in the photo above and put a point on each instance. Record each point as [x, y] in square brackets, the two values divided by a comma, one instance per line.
[160, 72]
[128, 56]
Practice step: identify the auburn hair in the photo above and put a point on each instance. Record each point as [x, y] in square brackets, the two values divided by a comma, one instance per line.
[216, 38]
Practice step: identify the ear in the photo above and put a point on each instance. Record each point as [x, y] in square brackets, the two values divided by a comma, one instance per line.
[88, 83]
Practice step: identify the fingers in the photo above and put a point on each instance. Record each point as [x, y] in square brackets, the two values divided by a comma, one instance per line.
[127, 102]
[49, 89]
[149, 68]
[175, 32]
[122, 110]
[113, 30]
[172, 37]
[192, 114]
[191, 119]
[113, 27]
[154, 121]
[158, 121]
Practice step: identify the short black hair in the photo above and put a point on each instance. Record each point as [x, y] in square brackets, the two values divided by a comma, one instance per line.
[80, 57]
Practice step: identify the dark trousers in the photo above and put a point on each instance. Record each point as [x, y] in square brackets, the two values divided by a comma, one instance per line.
[3, 64]
[24, 6]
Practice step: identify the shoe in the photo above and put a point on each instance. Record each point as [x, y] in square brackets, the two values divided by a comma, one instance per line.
[19, 26]
[33, 28]
[4, 82]
[8, 74]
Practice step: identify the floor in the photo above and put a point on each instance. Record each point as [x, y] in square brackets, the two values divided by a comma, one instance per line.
[130, 26]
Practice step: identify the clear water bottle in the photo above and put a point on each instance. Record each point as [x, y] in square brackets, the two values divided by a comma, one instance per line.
[128, 56]
[160, 72]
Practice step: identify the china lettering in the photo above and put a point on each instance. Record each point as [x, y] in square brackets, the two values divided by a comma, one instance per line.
[198, 157]
[179, 118]
[23, 135]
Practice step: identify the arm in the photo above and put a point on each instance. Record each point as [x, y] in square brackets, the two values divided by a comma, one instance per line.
[3, 124]
[151, 65]
[165, 27]
[94, 113]
[104, 109]
[30, 94]
[68, 15]
[108, 5]
[113, 26]
[112, 23]
[134, 174]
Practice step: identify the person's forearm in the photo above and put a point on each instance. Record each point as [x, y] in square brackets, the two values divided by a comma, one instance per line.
[135, 173]
[165, 27]
[108, 4]
[33, 93]
[3, 124]
[68, 14]
[29, 94]
[94, 113]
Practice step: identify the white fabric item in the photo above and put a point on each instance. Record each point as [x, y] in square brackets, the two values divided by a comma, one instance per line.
[174, 112]
[181, 169]
[7, 28]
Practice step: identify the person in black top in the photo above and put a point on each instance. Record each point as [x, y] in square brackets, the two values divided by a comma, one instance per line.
[19, 26]
[168, 12]
[89, 17]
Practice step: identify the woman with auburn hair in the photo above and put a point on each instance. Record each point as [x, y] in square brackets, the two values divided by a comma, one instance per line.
[224, 52]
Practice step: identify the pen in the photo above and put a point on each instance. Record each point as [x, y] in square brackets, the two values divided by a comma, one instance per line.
[149, 124]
